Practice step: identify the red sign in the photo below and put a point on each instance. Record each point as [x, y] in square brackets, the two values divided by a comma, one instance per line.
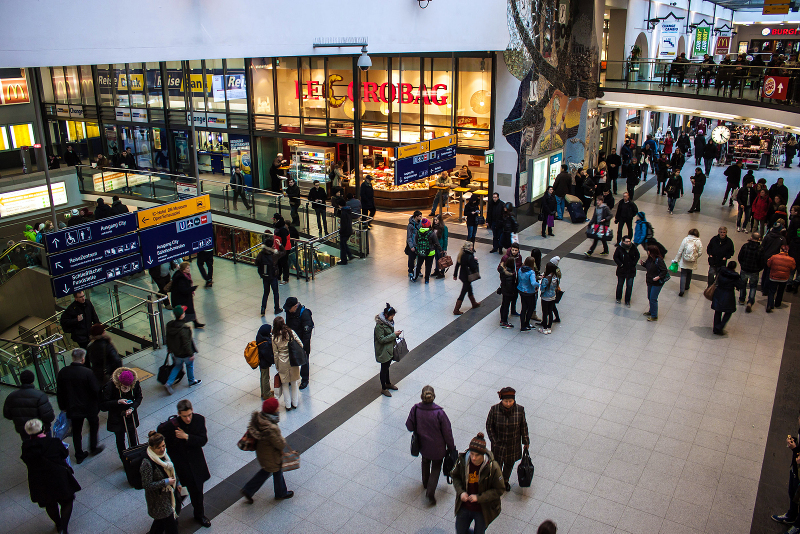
[783, 31]
[14, 91]
[373, 92]
[723, 46]
[775, 87]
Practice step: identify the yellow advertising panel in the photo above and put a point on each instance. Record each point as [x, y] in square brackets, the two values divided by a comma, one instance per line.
[173, 211]
[441, 142]
[412, 150]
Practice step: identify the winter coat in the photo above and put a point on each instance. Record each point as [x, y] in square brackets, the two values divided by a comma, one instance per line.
[734, 174]
[384, 339]
[490, 484]
[616, 161]
[28, 403]
[156, 494]
[677, 161]
[719, 251]
[494, 213]
[779, 191]
[771, 244]
[280, 348]
[182, 292]
[626, 260]
[50, 478]
[699, 145]
[508, 281]
[761, 207]
[427, 244]
[699, 183]
[517, 260]
[187, 454]
[367, 196]
[265, 262]
[433, 430]
[643, 230]
[562, 184]
[632, 178]
[411, 234]
[602, 215]
[674, 186]
[293, 192]
[318, 197]
[793, 238]
[302, 322]
[781, 266]
[746, 196]
[689, 241]
[655, 268]
[103, 359]
[548, 205]
[78, 391]
[79, 330]
[346, 222]
[109, 402]
[102, 211]
[724, 298]
[466, 266]
[508, 432]
[118, 208]
[626, 211]
[269, 448]
[626, 153]
[179, 339]
[548, 287]
[526, 280]
[442, 234]
[264, 340]
[471, 212]
[776, 216]
[751, 257]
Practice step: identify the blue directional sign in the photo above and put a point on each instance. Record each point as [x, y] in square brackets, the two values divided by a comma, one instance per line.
[84, 234]
[411, 169]
[95, 253]
[177, 239]
[96, 275]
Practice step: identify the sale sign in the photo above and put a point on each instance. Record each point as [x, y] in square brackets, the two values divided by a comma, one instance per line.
[775, 87]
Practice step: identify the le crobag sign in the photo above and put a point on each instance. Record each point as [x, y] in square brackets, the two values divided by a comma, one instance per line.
[405, 93]
[14, 91]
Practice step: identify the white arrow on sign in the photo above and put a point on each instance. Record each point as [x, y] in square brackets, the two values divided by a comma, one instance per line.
[58, 264]
[780, 87]
[55, 242]
[66, 289]
[149, 260]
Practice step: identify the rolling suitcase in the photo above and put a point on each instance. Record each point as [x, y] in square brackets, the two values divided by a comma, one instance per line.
[132, 459]
[576, 214]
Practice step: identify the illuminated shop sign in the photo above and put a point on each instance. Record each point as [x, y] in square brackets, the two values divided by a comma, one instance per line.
[14, 91]
[779, 31]
[405, 93]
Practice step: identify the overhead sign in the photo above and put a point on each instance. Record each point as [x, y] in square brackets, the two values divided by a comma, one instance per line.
[412, 150]
[723, 46]
[441, 142]
[779, 31]
[176, 240]
[93, 276]
[702, 36]
[31, 199]
[185, 190]
[109, 181]
[14, 91]
[175, 210]
[669, 40]
[443, 159]
[421, 160]
[775, 87]
[411, 169]
[84, 234]
[775, 7]
[94, 253]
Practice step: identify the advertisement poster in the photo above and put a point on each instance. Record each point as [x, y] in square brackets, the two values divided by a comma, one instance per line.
[702, 37]
[522, 197]
[723, 45]
[235, 87]
[240, 156]
[31, 199]
[555, 167]
[669, 41]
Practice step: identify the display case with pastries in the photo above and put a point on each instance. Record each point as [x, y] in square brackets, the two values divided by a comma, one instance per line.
[389, 196]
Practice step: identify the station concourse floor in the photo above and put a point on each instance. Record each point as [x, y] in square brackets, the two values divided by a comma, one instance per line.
[636, 427]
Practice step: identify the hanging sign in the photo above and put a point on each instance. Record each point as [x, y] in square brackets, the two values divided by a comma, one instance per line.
[174, 210]
[723, 46]
[81, 258]
[84, 234]
[702, 36]
[669, 40]
[775, 87]
[176, 239]
[94, 276]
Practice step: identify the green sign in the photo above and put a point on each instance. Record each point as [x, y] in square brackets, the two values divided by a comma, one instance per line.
[489, 158]
[702, 39]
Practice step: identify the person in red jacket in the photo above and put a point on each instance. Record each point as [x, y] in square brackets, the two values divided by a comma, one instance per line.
[761, 210]
[781, 266]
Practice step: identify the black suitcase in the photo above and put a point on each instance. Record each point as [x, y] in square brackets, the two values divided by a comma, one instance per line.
[576, 214]
[132, 459]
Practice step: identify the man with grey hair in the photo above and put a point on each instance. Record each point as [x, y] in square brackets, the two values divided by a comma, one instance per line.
[78, 396]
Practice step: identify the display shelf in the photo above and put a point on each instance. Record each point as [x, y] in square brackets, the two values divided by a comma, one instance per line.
[310, 163]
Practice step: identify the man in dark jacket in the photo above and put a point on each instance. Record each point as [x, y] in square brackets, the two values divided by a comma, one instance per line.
[293, 192]
[719, 250]
[745, 198]
[626, 257]
[614, 164]
[319, 198]
[478, 483]
[238, 188]
[186, 436]
[181, 345]
[751, 261]
[367, 198]
[698, 184]
[101, 355]
[632, 173]
[602, 217]
[267, 270]
[78, 395]
[494, 220]
[117, 207]
[734, 176]
[102, 210]
[683, 142]
[299, 319]
[779, 190]
[626, 211]
[345, 231]
[78, 319]
[71, 158]
[699, 147]
[411, 236]
[28, 403]
[508, 431]
[76, 218]
[561, 187]
[127, 159]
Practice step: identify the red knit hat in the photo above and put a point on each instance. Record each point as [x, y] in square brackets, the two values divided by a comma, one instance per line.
[270, 405]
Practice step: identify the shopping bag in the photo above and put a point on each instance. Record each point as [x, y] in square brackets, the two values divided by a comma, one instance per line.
[290, 461]
[525, 470]
[551, 220]
[400, 349]
[247, 442]
[297, 355]
[449, 462]
[674, 267]
[61, 426]
[515, 238]
[445, 262]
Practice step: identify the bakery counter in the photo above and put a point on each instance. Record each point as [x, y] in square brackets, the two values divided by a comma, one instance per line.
[400, 199]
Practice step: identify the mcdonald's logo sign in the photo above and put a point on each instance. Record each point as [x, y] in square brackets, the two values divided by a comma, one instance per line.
[14, 91]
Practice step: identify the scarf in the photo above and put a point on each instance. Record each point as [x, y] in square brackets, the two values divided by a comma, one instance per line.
[188, 275]
[169, 469]
[273, 417]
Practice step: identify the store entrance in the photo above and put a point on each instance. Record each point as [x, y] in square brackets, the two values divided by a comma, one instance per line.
[83, 137]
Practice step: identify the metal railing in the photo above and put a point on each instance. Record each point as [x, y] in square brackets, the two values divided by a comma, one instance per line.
[20, 255]
[42, 356]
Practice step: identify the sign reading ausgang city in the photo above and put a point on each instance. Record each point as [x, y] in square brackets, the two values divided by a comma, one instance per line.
[86, 278]
[95, 253]
[172, 211]
[84, 234]
[176, 240]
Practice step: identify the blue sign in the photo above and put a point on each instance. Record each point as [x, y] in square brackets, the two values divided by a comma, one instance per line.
[441, 154]
[94, 276]
[555, 159]
[177, 239]
[93, 254]
[411, 169]
[84, 234]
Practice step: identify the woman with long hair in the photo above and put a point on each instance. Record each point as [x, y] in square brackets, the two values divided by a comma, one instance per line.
[290, 374]
[385, 337]
[548, 285]
[160, 484]
[467, 265]
[657, 274]
[527, 286]
[183, 292]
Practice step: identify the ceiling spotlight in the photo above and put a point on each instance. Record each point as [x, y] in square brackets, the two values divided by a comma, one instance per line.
[425, 2]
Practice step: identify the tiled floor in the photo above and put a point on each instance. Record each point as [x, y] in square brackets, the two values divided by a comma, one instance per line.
[635, 427]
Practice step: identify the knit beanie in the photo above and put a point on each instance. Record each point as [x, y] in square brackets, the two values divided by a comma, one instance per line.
[27, 376]
[177, 311]
[555, 260]
[478, 444]
[127, 378]
[270, 405]
[428, 395]
[426, 223]
[507, 393]
[97, 330]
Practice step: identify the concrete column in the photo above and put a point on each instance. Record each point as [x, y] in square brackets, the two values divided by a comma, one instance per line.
[619, 125]
[645, 124]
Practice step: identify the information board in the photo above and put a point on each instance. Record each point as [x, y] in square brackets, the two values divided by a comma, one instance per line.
[172, 211]
[83, 234]
[83, 257]
[442, 159]
[109, 181]
[31, 199]
[411, 169]
[93, 276]
[176, 239]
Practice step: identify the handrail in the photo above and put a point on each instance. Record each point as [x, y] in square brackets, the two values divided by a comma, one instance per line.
[142, 289]
[47, 341]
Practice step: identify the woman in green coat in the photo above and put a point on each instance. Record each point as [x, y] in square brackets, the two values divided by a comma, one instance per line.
[385, 338]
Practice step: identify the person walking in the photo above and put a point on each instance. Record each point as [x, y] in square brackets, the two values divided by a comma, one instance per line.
[266, 359]
[466, 265]
[160, 485]
[282, 334]
[101, 355]
[633, 174]
[561, 187]
[51, 480]
[507, 428]
[78, 395]
[472, 210]
[478, 483]
[385, 337]
[367, 195]
[751, 261]
[293, 193]
[78, 319]
[770, 245]
[508, 289]
[435, 437]
[301, 321]
[426, 248]
[720, 250]
[723, 301]
[238, 188]
[791, 150]
[780, 266]
[414, 223]
[181, 345]
[494, 220]
[657, 274]
[674, 190]
[513, 253]
[761, 206]
[160, 275]
[699, 146]
[549, 211]
[698, 184]
[688, 253]
[527, 286]
[185, 436]
[26, 403]
[318, 198]
[205, 264]
[266, 265]
[547, 287]
[283, 243]
[626, 257]
[183, 292]
[745, 198]
[510, 226]
[626, 211]
[121, 398]
[263, 427]
[734, 179]
[600, 218]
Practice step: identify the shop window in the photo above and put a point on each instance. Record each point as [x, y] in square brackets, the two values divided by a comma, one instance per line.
[76, 131]
[376, 93]
[288, 94]
[215, 92]
[371, 130]
[143, 154]
[120, 77]
[175, 83]
[339, 93]
[105, 85]
[136, 84]
[87, 85]
[473, 116]
[92, 130]
[235, 86]
[21, 135]
[47, 85]
[60, 85]
[155, 92]
[263, 91]
[73, 84]
[4, 139]
[159, 141]
[436, 92]
[312, 90]
[407, 74]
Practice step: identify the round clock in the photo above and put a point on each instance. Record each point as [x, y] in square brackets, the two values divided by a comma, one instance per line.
[720, 134]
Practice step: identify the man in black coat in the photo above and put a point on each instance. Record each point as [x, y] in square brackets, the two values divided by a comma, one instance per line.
[626, 257]
[186, 436]
[319, 198]
[71, 158]
[494, 220]
[299, 319]
[117, 207]
[561, 187]
[734, 177]
[345, 231]
[368, 198]
[626, 211]
[28, 403]
[698, 184]
[78, 319]
[102, 210]
[719, 250]
[238, 188]
[614, 163]
[78, 395]
[779, 190]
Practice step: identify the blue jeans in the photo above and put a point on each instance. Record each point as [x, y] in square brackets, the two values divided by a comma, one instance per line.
[255, 483]
[752, 278]
[441, 196]
[652, 296]
[464, 519]
[560, 203]
[471, 232]
[177, 365]
[671, 202]
[746, 212]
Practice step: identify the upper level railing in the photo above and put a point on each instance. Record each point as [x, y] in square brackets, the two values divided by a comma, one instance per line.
[18, 256]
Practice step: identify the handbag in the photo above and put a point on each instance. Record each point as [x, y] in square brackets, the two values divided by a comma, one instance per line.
[400, 349]
[61, 426]
[709, 291]
[559, 294]
[168, 287]
[445, 262]
[415, 437]
[449, 462]
[525, 470]
[290, 461]
[551, 220]
[166, 369]
[297, 356]
[276, 382]
[247, 442]
[480, 220]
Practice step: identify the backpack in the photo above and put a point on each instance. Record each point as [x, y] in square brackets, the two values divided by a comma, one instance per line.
[265, 265]
[649, 234]
[251, 353]
[690, 251]
[423, 243]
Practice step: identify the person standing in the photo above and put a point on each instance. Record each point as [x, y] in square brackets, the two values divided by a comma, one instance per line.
[724, 300]
[688, 253]
[263, 427]
[51, 480]
[626, 211]
[78, 394]
[508, 432]
[78, 319]
[709, 153]
[71, 158]
[183, 292]
[466, 264]
[293, 193]
[632, 177]
[601, 217]
[442, 195]
[760, 211]
[699, 146]
[28, 403]
[275, 171]
[414, 223]
[238, 188]
[494, 220]
[734, 178]
[318, 198]
[385, 337]
[426, 248]
[478, 483]
[698, 184]
[186, 436]
[549, 210]
[121, 398]
[781, 266]
[117, 207]
[267, 270]
[751, 261]
[527, 286]
[779, 190]
[745, 198]
[791, 150]
[101, 355]
[160, 485]
[626, 257]
[561, 187]
[282, 334]
[614, 163]
[720, 250]
[435, 437]
[181, 345]
[471, 211]
[656, 276]
[508, 289]
[345, 231]
[102, 210]
[442, 236]
[266, 359]
[205, 264]
[674, 190]
[547, 286]
[367, 195]
[300, 320]
[161, 277]
[283, 243]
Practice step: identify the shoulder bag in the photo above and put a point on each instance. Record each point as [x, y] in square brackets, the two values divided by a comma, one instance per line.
[290, 461]
[400, 349]
[709, 291]
[247, 442]
[414, 436]
[166, 369]
[525, 470]
[297, 356]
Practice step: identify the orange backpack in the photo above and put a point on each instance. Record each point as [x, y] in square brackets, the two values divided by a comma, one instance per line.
[251, 353]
